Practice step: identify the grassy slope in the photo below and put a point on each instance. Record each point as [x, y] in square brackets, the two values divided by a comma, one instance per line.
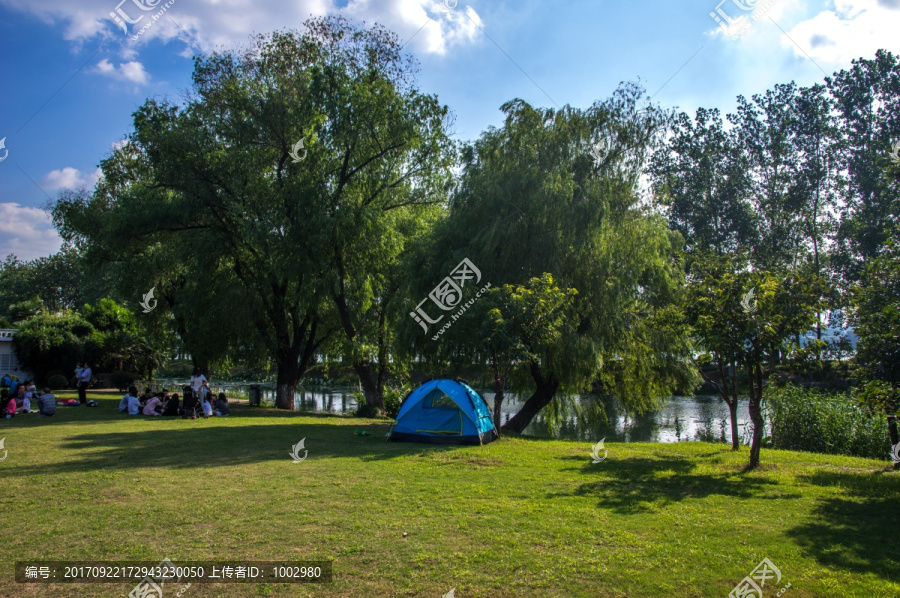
[519, 517]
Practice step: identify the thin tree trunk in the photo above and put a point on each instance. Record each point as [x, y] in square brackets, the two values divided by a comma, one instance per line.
[732, 414]
[755, 414]
[730, 399]
[498, 393]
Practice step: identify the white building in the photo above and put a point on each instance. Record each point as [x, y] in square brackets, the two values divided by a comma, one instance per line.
[8, 362]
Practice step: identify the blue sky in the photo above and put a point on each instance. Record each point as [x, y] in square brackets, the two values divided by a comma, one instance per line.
[71, 77]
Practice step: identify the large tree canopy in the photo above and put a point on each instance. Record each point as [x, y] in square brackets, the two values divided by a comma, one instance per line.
[274, 198]
[536, 196]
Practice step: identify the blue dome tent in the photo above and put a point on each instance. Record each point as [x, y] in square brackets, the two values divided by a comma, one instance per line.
[444, 412]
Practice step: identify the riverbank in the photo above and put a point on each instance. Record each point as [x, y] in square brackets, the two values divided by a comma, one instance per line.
[518, 517]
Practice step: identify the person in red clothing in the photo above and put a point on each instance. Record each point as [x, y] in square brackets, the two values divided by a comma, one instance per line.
[7, 404]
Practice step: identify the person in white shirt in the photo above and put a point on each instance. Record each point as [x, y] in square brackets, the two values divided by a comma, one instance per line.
[134, 403]
[207, 409]
[83, 382]
[197, 381]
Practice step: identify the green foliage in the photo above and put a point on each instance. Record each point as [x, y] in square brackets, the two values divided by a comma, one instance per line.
[25, 309]
[877, 316]
[57, 382]
[110, 317]
[869, 118]
[533, 200]
[49, 342]
[393, 399]
[836, 424]
[288, 252]
[782, 305]
[56, 281]
[122, 380]
[880, 396]
[700, 176]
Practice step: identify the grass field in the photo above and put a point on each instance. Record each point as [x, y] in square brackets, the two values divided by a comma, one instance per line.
[519, 517]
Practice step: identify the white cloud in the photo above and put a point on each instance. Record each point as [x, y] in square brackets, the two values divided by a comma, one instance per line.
[853, 29]
[213, 23]
[126, 71]
[70, 178]
[432, 26]
[26, 232]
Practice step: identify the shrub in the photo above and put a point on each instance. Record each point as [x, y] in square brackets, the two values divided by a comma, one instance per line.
[122, 380]
[58, 382]
[393, 397]
[832, 423]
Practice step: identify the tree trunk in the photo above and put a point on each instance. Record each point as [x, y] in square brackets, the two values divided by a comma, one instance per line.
[543, 394]
[498, 394]
[286, 383]
[755, 414]
[730, 399]
[732, 414]
[374, 391]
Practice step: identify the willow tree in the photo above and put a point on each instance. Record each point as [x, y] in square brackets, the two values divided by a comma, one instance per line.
[270, 202]
[555, 191]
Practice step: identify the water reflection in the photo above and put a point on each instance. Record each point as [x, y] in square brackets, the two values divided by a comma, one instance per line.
[681, 419]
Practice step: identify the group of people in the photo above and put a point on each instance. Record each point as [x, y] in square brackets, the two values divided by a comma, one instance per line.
[18, 398]
[199, 400]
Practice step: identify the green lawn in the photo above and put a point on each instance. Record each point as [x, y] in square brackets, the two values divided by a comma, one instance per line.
[516, 518]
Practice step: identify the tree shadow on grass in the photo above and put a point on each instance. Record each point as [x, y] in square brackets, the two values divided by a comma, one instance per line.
[638, 485]
[857, 531]
[206, 443]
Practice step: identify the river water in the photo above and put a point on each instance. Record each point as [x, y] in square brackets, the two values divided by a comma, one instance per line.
[681, 419]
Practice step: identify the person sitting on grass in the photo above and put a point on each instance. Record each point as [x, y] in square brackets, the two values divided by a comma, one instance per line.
[207, 408]
[153, 406]
[123, 404]
[23, 404]
[47, 403]
[7, 404]
[222, 408]
[171, 407]
[134, 404]
[190, 404]
[146, 397]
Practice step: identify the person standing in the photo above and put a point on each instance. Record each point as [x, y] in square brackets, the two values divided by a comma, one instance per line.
[83, 382]
[197, 382]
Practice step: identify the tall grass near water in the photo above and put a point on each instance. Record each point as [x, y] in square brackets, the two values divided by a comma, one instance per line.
[825, 422]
